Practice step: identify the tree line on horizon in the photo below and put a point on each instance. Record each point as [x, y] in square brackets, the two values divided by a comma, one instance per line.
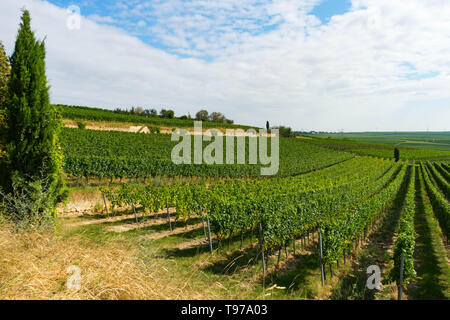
[202, 115]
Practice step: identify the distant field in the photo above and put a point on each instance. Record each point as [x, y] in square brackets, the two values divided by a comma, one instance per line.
[377, 149]
[419, 140]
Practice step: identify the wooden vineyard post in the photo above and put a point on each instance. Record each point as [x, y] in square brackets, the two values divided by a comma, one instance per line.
[209, 235]
[106, 207]
[134, 210]
[400, 285]
[262, 254]
[168, 216]
[321, 259]
[203, 221]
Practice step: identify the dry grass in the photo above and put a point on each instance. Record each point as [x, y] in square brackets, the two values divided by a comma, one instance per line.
[34, 266]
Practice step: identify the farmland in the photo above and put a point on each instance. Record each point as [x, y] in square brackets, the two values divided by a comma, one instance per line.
[418, 140]
[142, 204]
[351, 203]
[352, 196]
[113, 154]
[381, 150]
[364, 205]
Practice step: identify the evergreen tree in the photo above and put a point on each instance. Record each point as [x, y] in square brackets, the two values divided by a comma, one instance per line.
[267, 126]
[34, 160]
[397, 155]
[5, 70]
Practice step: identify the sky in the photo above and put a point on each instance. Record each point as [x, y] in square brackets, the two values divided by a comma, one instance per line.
[324, 65]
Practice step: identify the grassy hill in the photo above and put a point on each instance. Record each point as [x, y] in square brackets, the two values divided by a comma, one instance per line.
[97, 114]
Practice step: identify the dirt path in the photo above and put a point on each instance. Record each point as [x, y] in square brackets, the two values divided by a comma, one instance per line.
[102, 220]
[163, 234]
[133, 225]
[121, 218]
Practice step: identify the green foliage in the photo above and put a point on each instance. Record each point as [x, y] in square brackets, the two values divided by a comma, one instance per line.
[397, 155]
[406, 235]
[202, 115]
[441, 207]
[154, 129]
[167, 114]
[81, 125]
[146, 117]
[29, 205]
[379, 150]
[5, 70]
[440, 179]
[342, 230]
[285, 132]
[33, 154]
[286, 207]
[123, 154]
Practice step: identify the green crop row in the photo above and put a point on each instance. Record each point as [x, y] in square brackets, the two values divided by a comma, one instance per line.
[286, 207]
[406, 235]
[441, 206]
[343, 230]
[115, 154]
[439, 179]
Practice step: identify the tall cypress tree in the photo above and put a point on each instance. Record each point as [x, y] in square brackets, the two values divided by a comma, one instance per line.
[5, 70]
[34, 160]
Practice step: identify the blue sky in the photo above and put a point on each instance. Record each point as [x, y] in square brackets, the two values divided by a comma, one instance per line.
[378, 65]
[329, 8]
[146, 20]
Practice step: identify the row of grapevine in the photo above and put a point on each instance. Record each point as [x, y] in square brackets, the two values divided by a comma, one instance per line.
[113, 154]
[286, 216]
[440, 180]
[446, 166]
[286, 207]
[443, 171]
[340, 232]
[441, 206]
[406, 235]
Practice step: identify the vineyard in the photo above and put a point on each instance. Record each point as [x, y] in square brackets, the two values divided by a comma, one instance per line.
[344, 205]
[113, 154]
[336, 203]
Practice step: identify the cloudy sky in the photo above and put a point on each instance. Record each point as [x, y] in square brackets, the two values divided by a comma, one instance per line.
[359, 65]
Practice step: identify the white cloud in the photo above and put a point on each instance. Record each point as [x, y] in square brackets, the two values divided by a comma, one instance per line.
[352, 73]
[102, 19]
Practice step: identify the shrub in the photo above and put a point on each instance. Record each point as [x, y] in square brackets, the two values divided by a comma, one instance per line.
[81, 125]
